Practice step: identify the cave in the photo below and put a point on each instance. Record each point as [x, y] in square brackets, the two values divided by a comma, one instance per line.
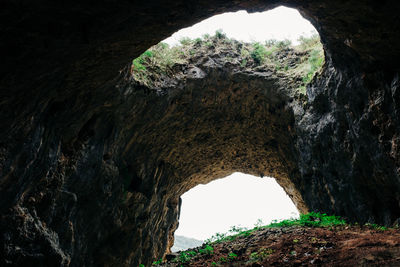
[91, 167]
[238, 201]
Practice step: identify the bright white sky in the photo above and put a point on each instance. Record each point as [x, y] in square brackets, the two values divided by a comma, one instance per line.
[279, 23]
[238, 199]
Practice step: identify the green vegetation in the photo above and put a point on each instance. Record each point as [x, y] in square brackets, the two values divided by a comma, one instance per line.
[313, 47]
[208, 250]
[232, 256]
[220, 34]
[376, 226]
[261, 254]
[234, 232]
[311, 219]
[157, 262]
[186, 256]
[259, 53]
[185, 41]
[158, 60]
[301, 62]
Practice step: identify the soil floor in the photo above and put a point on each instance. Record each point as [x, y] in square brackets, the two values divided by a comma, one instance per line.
[303, 246]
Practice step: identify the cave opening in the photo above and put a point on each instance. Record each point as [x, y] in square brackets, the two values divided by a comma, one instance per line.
[238, 201]
[234, 78]
[279, 39]
[90, 175]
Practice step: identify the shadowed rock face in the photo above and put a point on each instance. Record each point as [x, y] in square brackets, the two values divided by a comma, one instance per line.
[92, 166]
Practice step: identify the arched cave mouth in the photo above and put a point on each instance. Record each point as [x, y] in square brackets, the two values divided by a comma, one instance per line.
[238, 200]
[94, 165]
[231, 108]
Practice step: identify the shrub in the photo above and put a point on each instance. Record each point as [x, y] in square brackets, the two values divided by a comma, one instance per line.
[206, 36]
[259, 53]
[232, 256]
[208, 250]
[271, 42]
[185, 41]
[315, 62]
[283, 44]
[220, 34]
[157, 262]
[306, 42]
[156, 61]
[312, 219]
[198, 41]
[186, 256]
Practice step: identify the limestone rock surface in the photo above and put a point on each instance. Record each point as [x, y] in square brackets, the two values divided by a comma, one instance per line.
[92, 166]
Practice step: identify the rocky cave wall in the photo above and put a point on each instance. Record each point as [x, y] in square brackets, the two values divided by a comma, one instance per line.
[89, 172]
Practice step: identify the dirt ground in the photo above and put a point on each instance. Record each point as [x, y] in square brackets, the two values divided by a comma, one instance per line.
[303, 246]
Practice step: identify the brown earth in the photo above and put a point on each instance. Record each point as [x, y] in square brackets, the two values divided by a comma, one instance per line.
[306, 246]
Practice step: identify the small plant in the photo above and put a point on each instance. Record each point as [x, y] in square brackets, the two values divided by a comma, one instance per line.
[198, 41]
[209, 44]
[185, 41]
[261, 254]
[141, 265]
[306, 42]
[312, 219]
[237, 229]
[376, 226]
[157, 262]
[283, 44]
[232, 256]
[186, 256]
[217, 237]
[208, 250]
[223, 260]
[286, 67]
[206, 36]
[156, 62]
[271, 42]
[220, 34]
[214, 263]
[258, 224]
[259, 53]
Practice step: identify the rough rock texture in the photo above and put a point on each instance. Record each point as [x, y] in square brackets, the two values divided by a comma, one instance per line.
[300, 246]
[90, 173]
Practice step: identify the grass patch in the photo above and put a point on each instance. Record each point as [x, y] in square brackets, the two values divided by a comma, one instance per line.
[312, 219]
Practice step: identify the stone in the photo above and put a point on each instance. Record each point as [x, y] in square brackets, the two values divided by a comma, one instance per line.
[91, 167]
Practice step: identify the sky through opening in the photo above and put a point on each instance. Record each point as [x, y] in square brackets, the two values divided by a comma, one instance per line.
[279, 23]
[238, 199]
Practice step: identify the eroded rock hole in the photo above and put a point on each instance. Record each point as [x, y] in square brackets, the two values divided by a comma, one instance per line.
[225, 96]
[238, 201]
[279, 41]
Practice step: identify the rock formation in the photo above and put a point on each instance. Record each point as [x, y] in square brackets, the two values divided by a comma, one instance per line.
[91, 167]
